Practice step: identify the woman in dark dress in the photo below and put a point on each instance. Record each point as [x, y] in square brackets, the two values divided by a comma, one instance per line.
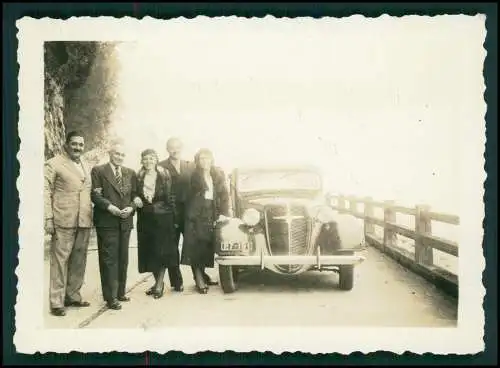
[155, 222]
[208, 202]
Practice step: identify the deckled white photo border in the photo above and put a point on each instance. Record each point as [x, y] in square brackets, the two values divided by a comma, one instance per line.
[31, 336]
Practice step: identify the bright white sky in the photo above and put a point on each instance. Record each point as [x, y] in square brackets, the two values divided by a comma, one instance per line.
[380, 106]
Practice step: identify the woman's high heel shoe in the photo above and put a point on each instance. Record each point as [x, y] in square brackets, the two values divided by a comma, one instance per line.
[199, 282]
[202, 289]
[159, 294]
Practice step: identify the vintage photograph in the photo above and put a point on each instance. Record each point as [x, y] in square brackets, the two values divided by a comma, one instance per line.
[244, 174]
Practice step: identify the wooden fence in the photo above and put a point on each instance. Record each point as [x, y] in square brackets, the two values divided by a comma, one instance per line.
[422, 260]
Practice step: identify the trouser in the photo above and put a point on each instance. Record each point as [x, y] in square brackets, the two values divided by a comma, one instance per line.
[68, 260]
[174, 272]
[112, 244]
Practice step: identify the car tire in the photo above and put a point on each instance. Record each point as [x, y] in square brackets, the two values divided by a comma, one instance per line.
[346, 277]
[228, 278]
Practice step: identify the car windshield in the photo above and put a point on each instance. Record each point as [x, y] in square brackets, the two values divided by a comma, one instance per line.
[278, 180]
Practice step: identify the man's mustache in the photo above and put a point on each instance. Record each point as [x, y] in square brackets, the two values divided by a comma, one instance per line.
[77, 150]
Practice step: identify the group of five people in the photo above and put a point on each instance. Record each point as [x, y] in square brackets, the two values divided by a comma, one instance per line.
[170, 197]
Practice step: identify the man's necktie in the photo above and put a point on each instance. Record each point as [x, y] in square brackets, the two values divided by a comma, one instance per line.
[118, 177]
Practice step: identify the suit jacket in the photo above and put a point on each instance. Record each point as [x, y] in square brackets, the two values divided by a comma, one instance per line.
[105, 191]
[67, 193]
[180, 180]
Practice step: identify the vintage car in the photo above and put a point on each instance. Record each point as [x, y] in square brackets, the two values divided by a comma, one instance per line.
[282, 221]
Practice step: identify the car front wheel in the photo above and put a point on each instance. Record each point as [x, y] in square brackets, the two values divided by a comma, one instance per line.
[228, 278]
[346, 277]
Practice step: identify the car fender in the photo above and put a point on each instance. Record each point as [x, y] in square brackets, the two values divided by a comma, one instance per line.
[350, 230]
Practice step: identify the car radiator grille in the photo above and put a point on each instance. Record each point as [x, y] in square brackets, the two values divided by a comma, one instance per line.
[287, 237]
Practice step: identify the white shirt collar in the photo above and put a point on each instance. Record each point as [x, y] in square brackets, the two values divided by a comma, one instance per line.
[115, 168]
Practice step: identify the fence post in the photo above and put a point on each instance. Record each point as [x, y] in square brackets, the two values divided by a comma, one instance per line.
[389, 216]
[423, 254]
[341, 203]
[368, 210]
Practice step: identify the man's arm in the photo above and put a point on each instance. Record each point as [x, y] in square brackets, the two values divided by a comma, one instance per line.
[49, 180]
[171, 202]
[50, 175]
[133, 192]
[96, 193]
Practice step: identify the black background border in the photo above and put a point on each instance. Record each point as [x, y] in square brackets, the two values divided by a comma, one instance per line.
[10, 168]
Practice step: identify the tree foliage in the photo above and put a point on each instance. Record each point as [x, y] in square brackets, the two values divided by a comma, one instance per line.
[69, 63]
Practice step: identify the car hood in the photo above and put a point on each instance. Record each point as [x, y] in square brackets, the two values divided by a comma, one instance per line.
[311, 204]
[267, 201]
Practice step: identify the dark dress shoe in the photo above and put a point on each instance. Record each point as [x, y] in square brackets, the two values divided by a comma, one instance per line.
[79, 304]
[150, 291]
[124, 298]
[59, 312]
[179, 289]
[114, 305]
[209, 281]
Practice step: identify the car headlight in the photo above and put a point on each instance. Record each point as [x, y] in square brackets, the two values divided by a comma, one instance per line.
[325, 215]
[251, 217]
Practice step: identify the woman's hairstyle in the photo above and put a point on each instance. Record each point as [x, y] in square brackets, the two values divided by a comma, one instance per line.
[198, 184]
[149, 151]
[203, 151]
[160, 170]
[145, 153]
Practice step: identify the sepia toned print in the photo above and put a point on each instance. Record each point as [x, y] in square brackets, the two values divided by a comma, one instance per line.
[241, 180]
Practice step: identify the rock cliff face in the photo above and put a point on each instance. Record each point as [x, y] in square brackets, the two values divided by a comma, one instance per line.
[54, 117]
[80, 80]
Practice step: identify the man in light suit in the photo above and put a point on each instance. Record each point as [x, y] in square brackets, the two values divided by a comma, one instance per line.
[68, 218]
[180, 171]
[114, 194]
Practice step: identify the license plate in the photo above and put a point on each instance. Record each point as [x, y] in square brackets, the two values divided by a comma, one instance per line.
[228, 246]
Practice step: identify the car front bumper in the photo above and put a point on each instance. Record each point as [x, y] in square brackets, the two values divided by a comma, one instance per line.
[262, 260]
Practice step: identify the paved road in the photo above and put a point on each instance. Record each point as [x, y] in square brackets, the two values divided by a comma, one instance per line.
[385, 295]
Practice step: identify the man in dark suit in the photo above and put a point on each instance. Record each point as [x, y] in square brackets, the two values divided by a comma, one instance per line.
[114, 190]
[180, 171]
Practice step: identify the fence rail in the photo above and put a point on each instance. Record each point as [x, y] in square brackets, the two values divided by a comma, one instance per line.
[422, 260]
